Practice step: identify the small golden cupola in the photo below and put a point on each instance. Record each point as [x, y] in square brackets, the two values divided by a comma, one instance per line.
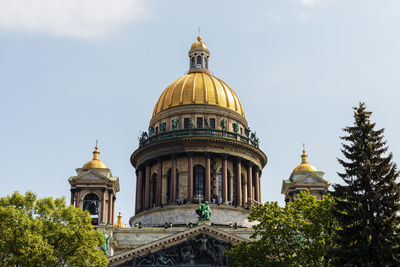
[119, 223]
[95, 163]
[304, 166]
[198, 57]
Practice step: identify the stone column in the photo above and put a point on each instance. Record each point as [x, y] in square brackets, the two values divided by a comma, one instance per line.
[147, 188]
[259, 186]
[139, 189]
[72, 196]
[159, 183]
[110, 206]
[190, 178]
[113, 209]
[77, 197]
[173, 179]
[207, 182]
[250, 183]
[225, 179]
[256, 186]
[103, 205]
[238, 182]
[244, 192]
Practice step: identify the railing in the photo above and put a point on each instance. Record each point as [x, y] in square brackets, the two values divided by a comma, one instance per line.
[144, 139]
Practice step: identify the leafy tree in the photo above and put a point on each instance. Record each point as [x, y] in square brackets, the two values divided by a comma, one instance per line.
[45, 232]
[367, 205]
[298, 234]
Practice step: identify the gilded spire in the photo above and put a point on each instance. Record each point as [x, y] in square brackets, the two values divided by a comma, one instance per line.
[304, 166]
[96, 152]
[95, 162]
[304, 156]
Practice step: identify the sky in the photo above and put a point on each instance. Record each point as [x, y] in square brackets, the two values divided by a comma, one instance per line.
[73, 71]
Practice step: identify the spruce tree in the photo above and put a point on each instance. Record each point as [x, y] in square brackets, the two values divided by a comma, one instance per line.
[367, 205]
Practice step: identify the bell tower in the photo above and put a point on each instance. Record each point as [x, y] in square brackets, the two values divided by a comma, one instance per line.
[305, 176]
[94, 189]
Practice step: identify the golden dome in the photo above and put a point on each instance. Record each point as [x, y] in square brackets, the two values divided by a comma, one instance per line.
[95, 162]
[199, 46]
[198, 88]
[304, 166]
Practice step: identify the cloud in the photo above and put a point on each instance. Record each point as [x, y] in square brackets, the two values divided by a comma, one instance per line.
[81, 19]
[312, 3]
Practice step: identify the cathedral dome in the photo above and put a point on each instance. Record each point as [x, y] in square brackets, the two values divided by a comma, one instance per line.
[95, 162]
[198, 88]
[305, 166]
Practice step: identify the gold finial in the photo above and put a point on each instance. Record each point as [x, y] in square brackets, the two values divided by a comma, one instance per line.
[96, 152]
[304, 155]
[199, 38]
[119, 221]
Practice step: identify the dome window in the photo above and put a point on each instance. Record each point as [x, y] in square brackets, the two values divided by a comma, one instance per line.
[206, 62]
[192, 63]
[198, 63]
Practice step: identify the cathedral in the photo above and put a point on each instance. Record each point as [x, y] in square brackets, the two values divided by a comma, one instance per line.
[198, 152]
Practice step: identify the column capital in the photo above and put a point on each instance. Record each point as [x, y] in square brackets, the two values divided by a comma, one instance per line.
[72, 190]
[208, 155]
[110, 191]
[103, 189]
[173, 156]
[239, 159]
[190, 154]
[224, 156]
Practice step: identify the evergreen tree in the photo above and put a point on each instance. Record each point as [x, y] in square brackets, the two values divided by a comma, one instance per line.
[367, 206]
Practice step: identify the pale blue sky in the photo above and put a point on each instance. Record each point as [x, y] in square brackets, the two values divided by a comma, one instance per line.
[71, 73]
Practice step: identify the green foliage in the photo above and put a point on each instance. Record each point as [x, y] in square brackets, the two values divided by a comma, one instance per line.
[367, 206]
[298, 234]
[45, 232]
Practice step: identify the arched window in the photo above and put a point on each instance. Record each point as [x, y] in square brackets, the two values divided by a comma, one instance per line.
[219, 186]
[192, 62]
[91, 204]
[169, 184]
[198, 63]
[154, 189]
[198, 182]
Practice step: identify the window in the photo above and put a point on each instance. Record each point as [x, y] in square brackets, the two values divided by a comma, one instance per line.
[206, 62]
[198, 182]
[192, 63]
[198, 63]
[241, 131]
[212, 123]
[199, 122]
[186, 123]
[157, 130]
[163, 127]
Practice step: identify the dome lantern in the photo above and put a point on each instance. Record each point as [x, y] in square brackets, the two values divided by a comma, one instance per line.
[198, 57]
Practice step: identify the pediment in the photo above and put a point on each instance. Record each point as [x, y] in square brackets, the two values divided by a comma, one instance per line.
[91, 176]
[310, 179]
[203, 244]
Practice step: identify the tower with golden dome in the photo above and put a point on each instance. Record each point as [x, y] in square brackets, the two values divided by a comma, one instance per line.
[94, 189]
[303, 177]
